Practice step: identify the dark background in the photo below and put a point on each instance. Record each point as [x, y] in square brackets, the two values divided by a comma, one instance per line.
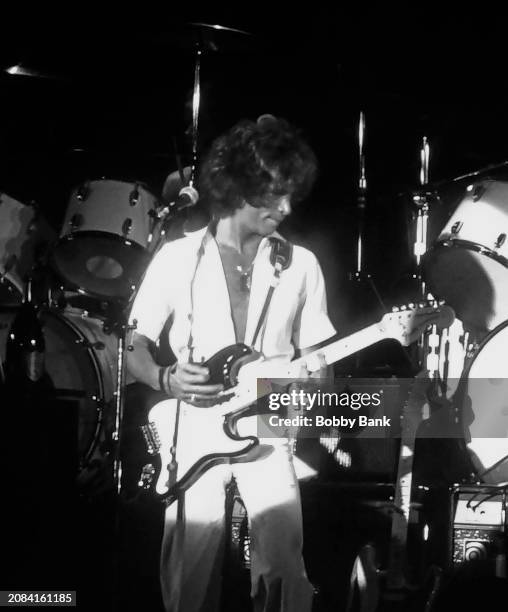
[111, 98]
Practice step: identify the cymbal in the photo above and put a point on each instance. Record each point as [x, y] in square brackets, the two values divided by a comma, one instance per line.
[26, 71]
[474, 174]
[431, 189]
[219, 28]
[210, 37]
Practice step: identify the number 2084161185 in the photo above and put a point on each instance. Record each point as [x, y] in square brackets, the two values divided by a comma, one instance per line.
[37, 598]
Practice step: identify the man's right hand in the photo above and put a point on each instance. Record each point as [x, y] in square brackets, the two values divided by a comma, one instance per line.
[187, 382]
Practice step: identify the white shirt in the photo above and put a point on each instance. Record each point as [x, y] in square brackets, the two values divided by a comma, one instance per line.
[297, 316]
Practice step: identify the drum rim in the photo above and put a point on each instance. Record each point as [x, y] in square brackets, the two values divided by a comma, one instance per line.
[468, 245]
[100, 401]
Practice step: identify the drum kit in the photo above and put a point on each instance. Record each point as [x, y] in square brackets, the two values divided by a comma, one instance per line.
[83, 281]
[81, 284]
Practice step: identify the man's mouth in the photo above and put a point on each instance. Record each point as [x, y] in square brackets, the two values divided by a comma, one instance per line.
[274, 220]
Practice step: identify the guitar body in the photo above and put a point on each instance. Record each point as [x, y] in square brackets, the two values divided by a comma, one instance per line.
[206, 437]
[209, 436]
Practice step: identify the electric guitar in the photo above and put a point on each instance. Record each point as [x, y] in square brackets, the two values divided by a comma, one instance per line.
[209, 436]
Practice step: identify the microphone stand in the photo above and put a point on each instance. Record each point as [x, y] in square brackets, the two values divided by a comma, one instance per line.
[122, 329]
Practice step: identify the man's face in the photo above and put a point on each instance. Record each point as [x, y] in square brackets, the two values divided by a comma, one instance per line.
[266, 217]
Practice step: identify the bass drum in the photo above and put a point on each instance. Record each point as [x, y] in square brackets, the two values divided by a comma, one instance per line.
[483, 408]
[80, 360]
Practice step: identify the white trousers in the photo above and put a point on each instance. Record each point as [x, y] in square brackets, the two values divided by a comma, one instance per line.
[192, 545]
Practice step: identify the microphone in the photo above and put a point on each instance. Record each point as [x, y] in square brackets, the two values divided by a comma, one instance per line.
[187, 197]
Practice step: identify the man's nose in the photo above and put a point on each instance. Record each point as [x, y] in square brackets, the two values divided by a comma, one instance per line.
[285, 206]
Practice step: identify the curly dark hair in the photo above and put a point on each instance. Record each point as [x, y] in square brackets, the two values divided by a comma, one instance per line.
[255, 159]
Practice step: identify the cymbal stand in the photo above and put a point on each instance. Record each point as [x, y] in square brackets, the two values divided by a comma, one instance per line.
[428, 345]
[196, 103]
[359, 275]
[420, 200]
[165, 214]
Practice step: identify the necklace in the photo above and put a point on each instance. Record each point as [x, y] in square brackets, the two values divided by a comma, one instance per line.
[245, 276]
[239, 266]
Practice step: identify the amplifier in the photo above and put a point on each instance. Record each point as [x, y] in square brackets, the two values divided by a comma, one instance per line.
[479, 525]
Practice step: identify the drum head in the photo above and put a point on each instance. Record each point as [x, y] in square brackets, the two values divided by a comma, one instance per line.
[485, 408]
[473, 284]
[91, 261]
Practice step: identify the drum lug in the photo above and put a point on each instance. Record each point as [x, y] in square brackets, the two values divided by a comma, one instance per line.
[500, 241]
[478, 192]
[76, 221]
[127, 227]
[83, 192]
[134, 196]
[456, 227]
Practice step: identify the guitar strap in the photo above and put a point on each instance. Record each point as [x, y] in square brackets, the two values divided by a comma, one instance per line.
[280, 258]
[281, 255]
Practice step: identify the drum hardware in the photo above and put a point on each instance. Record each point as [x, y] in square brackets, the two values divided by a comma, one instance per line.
[456, 227]
[134, 196]
[360, 277]
[83, 191]
[127, 227]
[500, 241]
[76, 221]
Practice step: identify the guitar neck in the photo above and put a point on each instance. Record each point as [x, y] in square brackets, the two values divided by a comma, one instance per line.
[338, 350]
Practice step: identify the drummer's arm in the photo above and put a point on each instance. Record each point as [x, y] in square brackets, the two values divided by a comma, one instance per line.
[141, 363]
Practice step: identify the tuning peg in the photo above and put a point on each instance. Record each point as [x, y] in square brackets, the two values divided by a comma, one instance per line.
[395, 309]
[411, 305]
[403, 307]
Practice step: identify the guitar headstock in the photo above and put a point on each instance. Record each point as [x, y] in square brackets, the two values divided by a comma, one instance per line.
[407, 323]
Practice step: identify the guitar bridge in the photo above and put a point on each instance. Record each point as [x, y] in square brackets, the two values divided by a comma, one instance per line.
[151, 437]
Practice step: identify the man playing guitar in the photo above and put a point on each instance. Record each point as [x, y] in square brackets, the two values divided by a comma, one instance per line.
[214, 285]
